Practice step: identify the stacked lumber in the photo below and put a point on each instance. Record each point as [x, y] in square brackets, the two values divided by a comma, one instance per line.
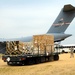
[43, 43]
[18, 47]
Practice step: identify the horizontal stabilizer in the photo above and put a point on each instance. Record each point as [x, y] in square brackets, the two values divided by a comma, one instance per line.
[68, 7]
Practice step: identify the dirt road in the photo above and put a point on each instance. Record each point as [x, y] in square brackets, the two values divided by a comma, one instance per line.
[65, 66]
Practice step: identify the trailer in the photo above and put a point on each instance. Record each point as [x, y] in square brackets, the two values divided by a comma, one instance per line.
[39, 50]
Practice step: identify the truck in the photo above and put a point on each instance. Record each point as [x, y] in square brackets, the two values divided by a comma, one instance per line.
[39, 50]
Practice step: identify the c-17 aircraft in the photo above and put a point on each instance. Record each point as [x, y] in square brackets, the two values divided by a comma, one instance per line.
[59, 26]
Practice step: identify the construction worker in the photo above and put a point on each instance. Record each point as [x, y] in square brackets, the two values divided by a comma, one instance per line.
[72, 52]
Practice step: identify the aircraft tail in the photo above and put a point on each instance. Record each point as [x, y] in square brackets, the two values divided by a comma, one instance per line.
[63, 20]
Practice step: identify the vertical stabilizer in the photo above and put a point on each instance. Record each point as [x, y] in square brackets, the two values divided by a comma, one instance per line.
[63, 20]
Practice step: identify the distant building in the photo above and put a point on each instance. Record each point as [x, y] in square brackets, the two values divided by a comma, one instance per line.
[65, 48]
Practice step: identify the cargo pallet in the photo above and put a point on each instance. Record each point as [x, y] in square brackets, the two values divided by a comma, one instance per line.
[40, 50]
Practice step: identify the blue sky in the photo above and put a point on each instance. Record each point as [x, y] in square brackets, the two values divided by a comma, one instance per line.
[20, 18]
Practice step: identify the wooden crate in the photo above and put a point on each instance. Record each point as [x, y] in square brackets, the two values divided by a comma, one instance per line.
[44, 42]
[18, 47]
[40, 44]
